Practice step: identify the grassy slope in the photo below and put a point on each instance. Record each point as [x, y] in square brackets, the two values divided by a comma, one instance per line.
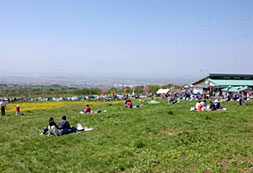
[153, 138]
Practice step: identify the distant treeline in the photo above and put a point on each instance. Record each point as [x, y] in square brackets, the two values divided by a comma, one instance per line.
[56, 90]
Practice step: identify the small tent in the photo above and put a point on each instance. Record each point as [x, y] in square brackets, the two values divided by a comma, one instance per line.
[163, 91]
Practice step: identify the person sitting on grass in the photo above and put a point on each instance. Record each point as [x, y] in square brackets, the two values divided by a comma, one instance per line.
[62, 128]
[54, 131]
[51, 123]
[217, 104]
[130, 104]
[172, 100]
[211, 106]
[198, 107]
[125, 102]
[87, 109]
[64, 125]
[204, 105]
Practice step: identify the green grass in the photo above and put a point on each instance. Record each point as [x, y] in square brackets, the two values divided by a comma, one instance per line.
[155, 138]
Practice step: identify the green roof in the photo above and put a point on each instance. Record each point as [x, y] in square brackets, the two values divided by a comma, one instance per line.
[228, 82]
[229, 75]
[211, 75]
[235, 89]
[201, 86]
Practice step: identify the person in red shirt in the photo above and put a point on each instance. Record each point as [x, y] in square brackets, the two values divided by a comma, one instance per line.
[17, 110]
[130, 104]
[200, 106]
[86, 109]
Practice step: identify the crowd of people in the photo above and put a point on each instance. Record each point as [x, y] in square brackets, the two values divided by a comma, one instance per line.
[214, 103]
[174, 96]
[188, 94]
[203, 106]
[71, 98]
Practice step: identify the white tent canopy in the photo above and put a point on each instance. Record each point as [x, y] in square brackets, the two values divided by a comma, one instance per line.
[163, 91]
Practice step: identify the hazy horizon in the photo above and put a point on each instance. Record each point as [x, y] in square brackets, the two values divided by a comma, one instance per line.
[87, 82]
[119, 76]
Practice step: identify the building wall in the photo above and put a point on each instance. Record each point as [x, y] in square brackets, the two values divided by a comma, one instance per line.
[197, 90]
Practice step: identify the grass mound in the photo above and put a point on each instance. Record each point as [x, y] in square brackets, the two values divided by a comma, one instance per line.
[154, 138]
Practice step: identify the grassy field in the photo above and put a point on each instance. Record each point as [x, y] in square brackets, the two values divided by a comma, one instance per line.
[155, 138]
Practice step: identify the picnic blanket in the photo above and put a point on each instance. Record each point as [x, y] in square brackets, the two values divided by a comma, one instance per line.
[153, 102]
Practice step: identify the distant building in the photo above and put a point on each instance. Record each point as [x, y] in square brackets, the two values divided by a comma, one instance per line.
[215, 81]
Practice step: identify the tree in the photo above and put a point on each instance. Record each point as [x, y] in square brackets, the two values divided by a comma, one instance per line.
[104, 91]
[139, 89]
[146, 89]
[153, 88]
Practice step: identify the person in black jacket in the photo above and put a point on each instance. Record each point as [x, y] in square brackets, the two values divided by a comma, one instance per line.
[64, 125]
[51, 123]
[212, 106]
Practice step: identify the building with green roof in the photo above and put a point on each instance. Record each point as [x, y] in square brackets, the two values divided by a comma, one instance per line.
[221, 81]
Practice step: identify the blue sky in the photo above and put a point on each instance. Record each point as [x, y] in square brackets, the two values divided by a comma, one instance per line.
[126, 38]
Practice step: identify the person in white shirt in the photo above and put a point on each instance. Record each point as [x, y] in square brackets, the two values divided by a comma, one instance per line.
[3, 107]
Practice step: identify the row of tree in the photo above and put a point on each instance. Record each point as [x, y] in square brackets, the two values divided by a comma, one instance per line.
[45, 91]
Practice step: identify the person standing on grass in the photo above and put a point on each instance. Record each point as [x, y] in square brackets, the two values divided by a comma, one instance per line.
[240, 98]
[3, 107]
[245, 98]
[17, 110]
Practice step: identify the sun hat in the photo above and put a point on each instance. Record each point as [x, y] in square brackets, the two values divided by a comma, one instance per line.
[79, 127]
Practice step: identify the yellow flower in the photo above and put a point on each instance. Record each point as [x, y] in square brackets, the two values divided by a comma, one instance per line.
[49, 105]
